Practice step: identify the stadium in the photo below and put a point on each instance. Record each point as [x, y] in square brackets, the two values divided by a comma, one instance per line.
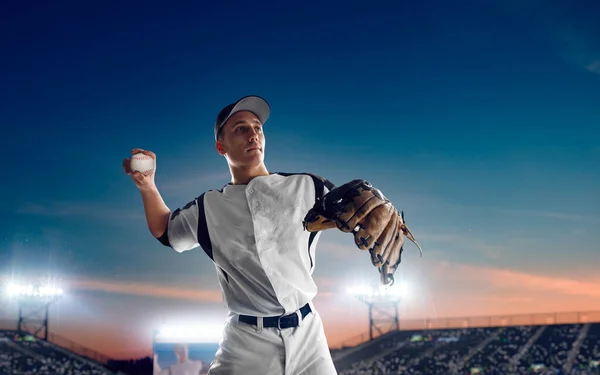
[554, 343]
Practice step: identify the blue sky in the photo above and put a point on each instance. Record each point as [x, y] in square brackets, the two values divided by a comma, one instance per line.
[480, 121]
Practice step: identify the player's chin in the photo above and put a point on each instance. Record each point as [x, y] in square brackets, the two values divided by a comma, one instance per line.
[254, 156]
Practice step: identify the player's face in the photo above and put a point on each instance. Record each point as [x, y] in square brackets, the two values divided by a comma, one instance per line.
[180, 352]
[243, 141]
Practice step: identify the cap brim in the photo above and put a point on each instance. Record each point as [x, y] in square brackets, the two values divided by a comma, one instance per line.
[254, 104]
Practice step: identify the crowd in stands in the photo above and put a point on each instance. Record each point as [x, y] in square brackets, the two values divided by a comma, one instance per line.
[572, 349]
[589, 353]
[27, 355]
[546, 349]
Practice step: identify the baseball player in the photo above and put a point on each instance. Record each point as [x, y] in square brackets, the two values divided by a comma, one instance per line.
[261, 230]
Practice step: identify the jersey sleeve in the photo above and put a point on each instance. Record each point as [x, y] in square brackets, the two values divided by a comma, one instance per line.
[182, 228]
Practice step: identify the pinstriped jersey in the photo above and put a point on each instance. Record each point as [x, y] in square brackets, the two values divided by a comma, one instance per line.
[253, 233]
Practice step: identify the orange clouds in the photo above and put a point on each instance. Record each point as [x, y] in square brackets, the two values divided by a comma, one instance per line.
[523, 282]
[148, 290]
[435, 283]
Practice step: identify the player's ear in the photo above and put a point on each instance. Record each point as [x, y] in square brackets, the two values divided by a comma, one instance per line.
[220, 148]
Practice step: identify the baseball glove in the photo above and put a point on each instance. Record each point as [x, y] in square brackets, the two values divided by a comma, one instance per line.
[359, 208]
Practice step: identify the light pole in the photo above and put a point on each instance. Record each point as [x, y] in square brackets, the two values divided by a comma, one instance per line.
[34, 306]
[383, 307]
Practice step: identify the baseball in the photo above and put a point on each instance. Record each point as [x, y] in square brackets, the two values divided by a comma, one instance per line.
[142, 163]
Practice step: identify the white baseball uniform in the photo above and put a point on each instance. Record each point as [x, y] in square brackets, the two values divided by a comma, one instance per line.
[264, 261]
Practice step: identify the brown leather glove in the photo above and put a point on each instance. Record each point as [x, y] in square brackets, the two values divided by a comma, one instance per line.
[359, 208]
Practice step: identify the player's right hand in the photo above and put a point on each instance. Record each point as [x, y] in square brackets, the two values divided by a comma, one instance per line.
[141, 180]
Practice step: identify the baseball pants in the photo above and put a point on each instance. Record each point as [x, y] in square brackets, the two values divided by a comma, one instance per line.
[252, 350]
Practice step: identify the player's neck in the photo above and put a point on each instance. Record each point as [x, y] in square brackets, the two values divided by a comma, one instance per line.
[243, 175]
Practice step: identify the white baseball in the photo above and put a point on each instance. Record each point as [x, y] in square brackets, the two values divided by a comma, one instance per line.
[142, 163]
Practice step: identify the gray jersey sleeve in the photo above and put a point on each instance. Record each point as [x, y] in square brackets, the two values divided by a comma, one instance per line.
[182, 228]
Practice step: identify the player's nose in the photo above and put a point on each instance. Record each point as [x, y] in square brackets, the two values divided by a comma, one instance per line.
[253, 136]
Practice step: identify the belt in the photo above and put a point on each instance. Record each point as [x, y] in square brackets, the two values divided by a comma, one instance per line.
[285, 321]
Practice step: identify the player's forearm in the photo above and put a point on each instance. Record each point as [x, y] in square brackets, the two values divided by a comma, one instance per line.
[157, 212]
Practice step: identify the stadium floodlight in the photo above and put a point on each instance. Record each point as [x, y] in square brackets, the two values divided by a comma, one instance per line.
[34, 301]
[29, 290]
[379, 293]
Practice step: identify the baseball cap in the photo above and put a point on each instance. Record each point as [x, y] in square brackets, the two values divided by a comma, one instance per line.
[253, 103]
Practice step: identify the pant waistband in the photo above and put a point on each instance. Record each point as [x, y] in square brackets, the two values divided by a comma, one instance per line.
[285, 321]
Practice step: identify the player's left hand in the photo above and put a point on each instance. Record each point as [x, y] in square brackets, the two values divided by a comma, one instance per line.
[359, 208]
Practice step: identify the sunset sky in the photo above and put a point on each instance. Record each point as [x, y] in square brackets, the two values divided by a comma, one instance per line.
[479, 121]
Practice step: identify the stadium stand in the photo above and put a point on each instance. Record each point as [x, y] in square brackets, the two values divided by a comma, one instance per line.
[28, 355]
[588, 355]
[556, 349]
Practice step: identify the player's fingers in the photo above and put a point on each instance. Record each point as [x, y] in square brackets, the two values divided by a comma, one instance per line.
[381, 250]
[149, 153]
[145, 152]
[126, 166]
[138, 176]
[372, 226]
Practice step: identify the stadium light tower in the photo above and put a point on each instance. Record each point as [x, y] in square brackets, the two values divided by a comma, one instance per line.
[34, 305]
[383, 306]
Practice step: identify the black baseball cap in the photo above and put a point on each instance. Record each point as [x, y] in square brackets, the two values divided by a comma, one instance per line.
[255, 104]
